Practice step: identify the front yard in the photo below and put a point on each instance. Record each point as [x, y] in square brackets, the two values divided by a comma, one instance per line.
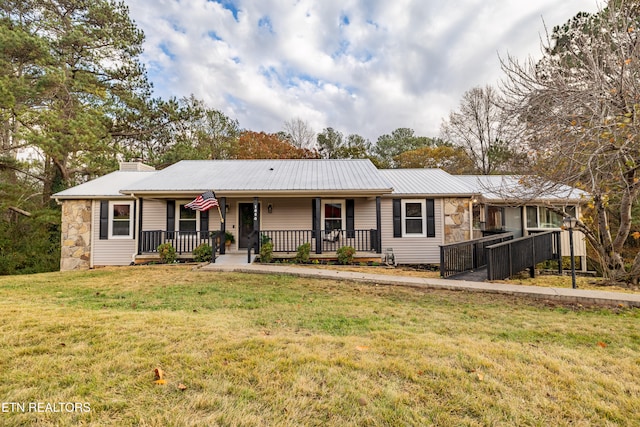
[251, 350]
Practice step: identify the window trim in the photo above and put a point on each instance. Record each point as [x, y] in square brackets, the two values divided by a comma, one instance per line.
[113, 203]
[403, 216]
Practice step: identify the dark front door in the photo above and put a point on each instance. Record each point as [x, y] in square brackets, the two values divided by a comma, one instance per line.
[245, 223]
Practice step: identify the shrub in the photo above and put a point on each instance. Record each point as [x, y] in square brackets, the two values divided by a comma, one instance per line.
[167, 253]
[345, 254]
[266, 252]
[303, 253]
[202, 253]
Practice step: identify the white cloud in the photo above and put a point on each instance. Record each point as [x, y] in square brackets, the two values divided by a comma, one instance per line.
[365, 67]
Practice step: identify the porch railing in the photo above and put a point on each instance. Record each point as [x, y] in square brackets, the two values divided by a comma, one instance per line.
[183, 241]
[290, 240]
[457, 258]
[508, 258]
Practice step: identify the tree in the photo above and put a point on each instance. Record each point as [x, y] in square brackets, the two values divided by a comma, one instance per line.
[71, 80]
[260, 145]
[187, 129]
[73, 95]
[579, 113]
[300, 134]
[333, 145]
[329, 142]
[480, 128]
[399, 141]
[453, 160]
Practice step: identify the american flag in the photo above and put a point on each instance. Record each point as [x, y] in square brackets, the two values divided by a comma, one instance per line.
[203, 202]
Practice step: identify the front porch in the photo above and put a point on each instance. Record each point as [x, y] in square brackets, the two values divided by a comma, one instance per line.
[285, 243]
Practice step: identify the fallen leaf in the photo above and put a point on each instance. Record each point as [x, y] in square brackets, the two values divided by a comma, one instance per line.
[602, 344]
[159, 374]
[362, 348]
[182, 387]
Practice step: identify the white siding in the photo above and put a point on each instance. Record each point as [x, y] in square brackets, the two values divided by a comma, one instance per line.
[109, 251]
[579, 243]
[154, 215]
[412, 250]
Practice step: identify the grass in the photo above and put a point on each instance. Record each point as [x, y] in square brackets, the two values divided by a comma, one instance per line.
[256, 350]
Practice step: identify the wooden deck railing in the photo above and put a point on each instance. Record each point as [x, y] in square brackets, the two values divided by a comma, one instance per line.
[183, 241]
[290, 240]
[508, 258]
[457, 258]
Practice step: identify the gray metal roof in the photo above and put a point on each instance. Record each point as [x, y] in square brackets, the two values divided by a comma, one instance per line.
[106, 186]
[425, 182]
[514, 187]
[264, 176]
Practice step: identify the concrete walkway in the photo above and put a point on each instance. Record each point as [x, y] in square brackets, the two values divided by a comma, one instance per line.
[579, 296]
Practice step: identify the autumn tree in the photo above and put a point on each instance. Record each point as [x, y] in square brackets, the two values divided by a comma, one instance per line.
[261, 145]
[579, 112]
[447, 157]
[481, 128]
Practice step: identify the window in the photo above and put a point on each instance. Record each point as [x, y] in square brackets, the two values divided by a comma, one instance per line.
[494, 218]
[333, 215]
[121, 220]
[413, 218]
[413, 223]
[532, 217]
[544, 217]
[187, 219]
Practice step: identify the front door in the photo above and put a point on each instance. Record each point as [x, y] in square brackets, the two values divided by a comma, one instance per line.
[245, 223]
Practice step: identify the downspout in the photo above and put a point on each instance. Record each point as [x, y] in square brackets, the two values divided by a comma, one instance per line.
[93, 237]
[471, 219]
[137, 227]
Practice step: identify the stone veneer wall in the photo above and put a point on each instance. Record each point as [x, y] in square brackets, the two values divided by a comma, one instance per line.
[457, 220]
[76, 235]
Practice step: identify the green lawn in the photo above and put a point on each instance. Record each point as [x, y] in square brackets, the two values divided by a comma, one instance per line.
[255, 350]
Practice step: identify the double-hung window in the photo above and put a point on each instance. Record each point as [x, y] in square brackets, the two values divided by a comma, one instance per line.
[333, 215]
[187, 219]
[120, 220]
[414, 218]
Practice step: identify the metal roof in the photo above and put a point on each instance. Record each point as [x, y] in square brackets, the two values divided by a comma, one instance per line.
[426, 182]
[514, 187]
[105, 186]
[264, 176]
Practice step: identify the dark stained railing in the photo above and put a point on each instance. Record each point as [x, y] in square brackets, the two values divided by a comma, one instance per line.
[290, 240]
[457, 258]
[183, 241]
[283, 240]
[509, 258]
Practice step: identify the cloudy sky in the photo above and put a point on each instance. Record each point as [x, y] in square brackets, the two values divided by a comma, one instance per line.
[359, 66]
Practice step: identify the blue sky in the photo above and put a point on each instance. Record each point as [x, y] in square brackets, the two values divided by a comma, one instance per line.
[364, 67]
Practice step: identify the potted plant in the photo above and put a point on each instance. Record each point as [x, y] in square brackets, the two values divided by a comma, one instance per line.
[228, 239]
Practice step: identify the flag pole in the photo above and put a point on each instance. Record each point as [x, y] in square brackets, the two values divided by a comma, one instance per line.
[219, 211]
